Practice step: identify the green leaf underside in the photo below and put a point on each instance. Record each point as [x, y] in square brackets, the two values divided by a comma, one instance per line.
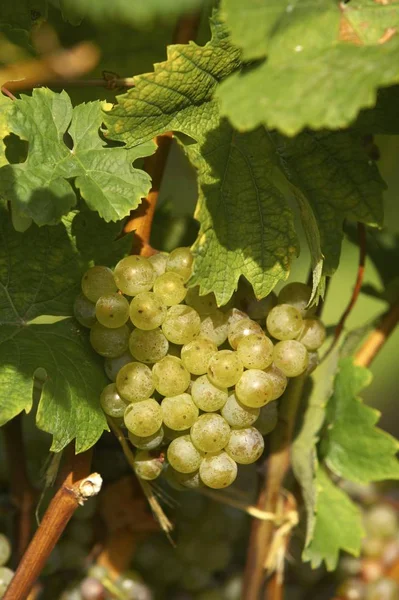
[40, 187]
[354, 448]
[338, 524]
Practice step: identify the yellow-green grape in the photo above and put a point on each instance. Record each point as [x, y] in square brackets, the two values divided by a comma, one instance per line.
[245, 446]
[109, 342]
[143, 418]
[254, 388]
[146, 466]
[225, 368]
[148, 346]
[134, 274]
[284, 322]
[181, 325]
[98, 281]
[208, 397]
[237, 414]
[149, 442]
[5, 549]
[210, 432]
[5, 579]
[183, 455]
[196, 355]
[180, 261]
[382, 589]
[241, 329]
[84, 311]
[218, 471]
[112, 366]
[313, 334]
[135, 382]
[233, 315]
[147, 311]
[111, 402]
[255, 351]
[278, 381]
[267, 419]
[170, 288]
[297, 295]
[291, 357]
[214, 327]
[204, 305]
[158, 262]
[171, 377]
[192, 481]
[381, 521]
[112, 310]
[179, 412]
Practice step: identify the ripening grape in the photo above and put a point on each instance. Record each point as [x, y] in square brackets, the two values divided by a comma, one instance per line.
[284, 322]
[146, 466]
[297, 295]
[148, 442]
[158, 262]
[5, 549]
[171, 377]
[112, 366]
[147, 311]
[180, 261]
[241, 329]
[214, 327]
[181, 324]
[245, 446]
[208, 397]
[179, 412]
[135, 382]
[225, 368]
[196, 355]
[112, 310]
[170, 288]
[204, 305]
[134, 274]
[234, 315]
[291, 357]
[111, 402]
[278, 381]
[148, 346]
[381, 521]
[183, 455]
[143, 418]
[255, 351]
[352, 589]
[218, 471]
[91, 589]
[383, 589]
[98, 281]
[254, 388]
[237, 414]
[267, 419]
[5, 579]
[192, 481]
[313, 334]
[107, 342]
[210, 432]
[84, 311]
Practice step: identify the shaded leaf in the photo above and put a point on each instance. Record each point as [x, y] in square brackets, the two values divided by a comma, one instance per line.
[22, 13]
[383, 118]
[5, 107]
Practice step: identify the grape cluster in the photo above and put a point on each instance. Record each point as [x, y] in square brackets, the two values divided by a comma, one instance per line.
[6, 574]
[188, 375]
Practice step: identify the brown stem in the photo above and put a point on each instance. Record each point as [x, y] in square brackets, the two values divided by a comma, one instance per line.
[377, 338]
[7, 92]
[110, 83]
[75, 488]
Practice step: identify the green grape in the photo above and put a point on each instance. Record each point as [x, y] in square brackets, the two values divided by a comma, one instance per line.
[179, 412]
[91, 589]
[171, 377]
[112, 310]
[112, 366]
[204, 305]
[245, 446]
[352, 589]
[218, 470]
[5, 579]
[158, 262]
[208, 397]
[233, 315]
[98, 281]
[210, 432]
[284, 322]
[267, 419]
[135, 382]
[147, 311]
[134, 274]
[214, 327]
[192, 481]
[291, 357]
[381, 521]
[146, 466]
[181, 325]
[180, 261]
[225, 368]
[148, 442]
[196, 355]
[5, 549]
[383, 589]
[278, 381]
[313, 334]
[297, 295]
[241, 329]
[254, 388]
[111, 402]
[183, 455]
[259, 309]
[148, 346]
[170, 288]
[143, 418]
[237, 414]
[109, 342]
[84, 311]
[255, 351]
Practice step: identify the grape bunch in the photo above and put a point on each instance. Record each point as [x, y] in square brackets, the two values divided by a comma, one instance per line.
[193, 382]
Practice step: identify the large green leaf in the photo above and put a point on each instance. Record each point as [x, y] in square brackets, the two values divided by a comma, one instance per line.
[370, 20]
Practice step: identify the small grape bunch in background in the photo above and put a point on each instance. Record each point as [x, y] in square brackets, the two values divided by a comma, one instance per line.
[191, 381]
[6, 574]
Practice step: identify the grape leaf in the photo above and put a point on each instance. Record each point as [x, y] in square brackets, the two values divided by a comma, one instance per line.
[354, 448]
[40, 187]
[338, 524]
[369, 20]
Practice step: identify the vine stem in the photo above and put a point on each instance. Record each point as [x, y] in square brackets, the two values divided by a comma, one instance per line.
[77, 485]
[377, 338]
